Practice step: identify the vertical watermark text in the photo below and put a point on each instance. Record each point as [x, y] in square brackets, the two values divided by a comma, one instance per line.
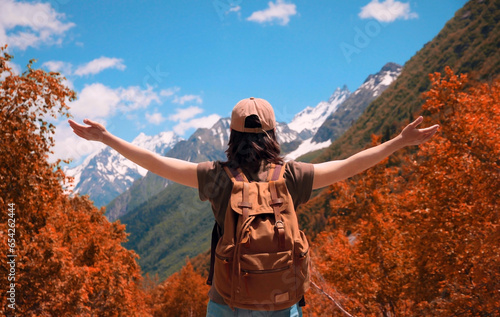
[11, 255]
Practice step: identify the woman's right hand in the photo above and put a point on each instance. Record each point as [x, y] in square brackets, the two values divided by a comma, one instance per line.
[93, 131]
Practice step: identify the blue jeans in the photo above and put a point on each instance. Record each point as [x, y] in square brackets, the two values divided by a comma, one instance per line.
[217, 310]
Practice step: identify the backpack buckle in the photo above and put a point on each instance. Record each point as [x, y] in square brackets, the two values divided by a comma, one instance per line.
[279, 224]
[280, 228]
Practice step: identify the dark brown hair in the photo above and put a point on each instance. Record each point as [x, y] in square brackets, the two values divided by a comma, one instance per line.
[248, 150]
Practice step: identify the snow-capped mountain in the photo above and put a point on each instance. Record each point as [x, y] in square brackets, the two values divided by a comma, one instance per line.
[329, 128]
[339, 121]
[308, 121]
[378, 82]
[107, 174]
[284, 134]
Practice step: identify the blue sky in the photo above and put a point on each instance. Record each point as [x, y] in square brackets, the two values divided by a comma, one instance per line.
[152, 66]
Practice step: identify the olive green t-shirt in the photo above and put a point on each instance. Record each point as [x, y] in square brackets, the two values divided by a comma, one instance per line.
[215, 186]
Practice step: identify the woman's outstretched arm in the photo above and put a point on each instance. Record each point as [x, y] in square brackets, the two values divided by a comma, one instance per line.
[179, 171]
[330, 172]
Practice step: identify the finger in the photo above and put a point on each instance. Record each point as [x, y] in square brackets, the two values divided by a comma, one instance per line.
[429, 135]
[94, 124]
[89, 122]
[79, 131]
[73, 124]
[430, 129]
[76, 126]
[417, 122]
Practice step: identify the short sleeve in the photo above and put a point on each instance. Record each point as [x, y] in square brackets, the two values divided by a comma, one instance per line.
[299, 181]
[205, 172]
[215, 186]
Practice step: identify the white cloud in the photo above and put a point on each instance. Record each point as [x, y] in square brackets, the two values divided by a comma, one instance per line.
[387, 11]
[58, 66]
[203, 122]
[187, 98]
[93, 67]
[98, 65]
[279, 12]
[95, 101]
[155, 118]
[169, 91]
[99, 101]
[136, 98]
[185, 114]
[24, 24]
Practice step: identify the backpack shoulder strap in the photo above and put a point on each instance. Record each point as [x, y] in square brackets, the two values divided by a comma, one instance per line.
[238, 175]
[275, 172]
[235, 174]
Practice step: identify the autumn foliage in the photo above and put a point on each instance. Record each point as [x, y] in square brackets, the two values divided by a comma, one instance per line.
[69, 259]
[418, 235]
[184, 293]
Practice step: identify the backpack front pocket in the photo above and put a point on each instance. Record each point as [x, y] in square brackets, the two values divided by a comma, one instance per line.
[266, 277]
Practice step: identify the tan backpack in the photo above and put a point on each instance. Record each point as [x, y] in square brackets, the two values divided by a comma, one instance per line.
[262, 258]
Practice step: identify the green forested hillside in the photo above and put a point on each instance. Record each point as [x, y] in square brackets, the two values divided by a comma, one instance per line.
[468, 43]
[169, 227]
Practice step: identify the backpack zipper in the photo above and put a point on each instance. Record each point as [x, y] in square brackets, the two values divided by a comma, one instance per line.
[303, 254]
[223, 258]
[266, 271]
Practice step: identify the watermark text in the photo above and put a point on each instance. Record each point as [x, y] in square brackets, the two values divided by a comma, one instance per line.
[11, 255]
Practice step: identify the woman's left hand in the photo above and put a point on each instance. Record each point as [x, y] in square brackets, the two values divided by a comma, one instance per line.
[413, 136]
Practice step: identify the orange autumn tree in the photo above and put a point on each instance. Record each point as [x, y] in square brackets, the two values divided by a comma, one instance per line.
[456, 200]
[182, 294]
[422, 239]
[362, 260]
[69, 259]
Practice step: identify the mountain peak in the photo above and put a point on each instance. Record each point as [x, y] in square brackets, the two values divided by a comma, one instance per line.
[379, 81]
[352, 108]
[308, 121]
[391, 67]
[339, 93]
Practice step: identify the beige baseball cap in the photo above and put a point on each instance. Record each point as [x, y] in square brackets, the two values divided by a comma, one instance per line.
[253, 106]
